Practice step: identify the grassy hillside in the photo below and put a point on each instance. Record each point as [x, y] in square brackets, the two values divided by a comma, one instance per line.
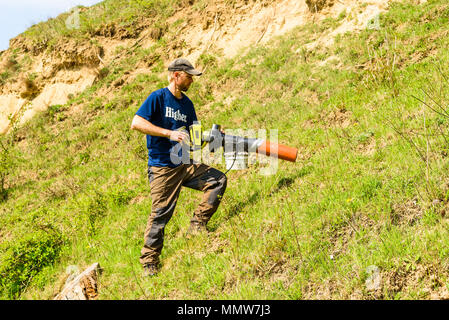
[368, 114]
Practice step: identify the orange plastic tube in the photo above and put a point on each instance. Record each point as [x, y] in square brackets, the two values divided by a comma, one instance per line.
[282, 152]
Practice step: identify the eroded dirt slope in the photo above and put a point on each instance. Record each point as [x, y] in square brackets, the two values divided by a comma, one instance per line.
[50, 77]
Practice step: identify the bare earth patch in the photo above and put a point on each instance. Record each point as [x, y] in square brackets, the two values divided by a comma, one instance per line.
[74, 67]
[407, 213]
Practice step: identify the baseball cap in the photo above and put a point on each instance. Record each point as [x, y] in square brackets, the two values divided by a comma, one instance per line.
[182, 64]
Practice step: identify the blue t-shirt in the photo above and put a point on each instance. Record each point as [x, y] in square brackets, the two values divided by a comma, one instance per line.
[164, 110]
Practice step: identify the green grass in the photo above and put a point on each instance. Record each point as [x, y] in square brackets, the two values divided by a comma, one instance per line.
[104, 17]
[360, 195]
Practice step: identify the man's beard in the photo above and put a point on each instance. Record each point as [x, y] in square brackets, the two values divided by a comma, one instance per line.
[184, 88]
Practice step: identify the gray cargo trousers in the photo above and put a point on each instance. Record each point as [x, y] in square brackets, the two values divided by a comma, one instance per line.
[165, 186]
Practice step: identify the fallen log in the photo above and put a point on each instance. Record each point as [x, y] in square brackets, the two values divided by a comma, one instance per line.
[82, 287]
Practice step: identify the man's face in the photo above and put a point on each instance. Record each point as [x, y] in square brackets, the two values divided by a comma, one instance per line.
[183, 80]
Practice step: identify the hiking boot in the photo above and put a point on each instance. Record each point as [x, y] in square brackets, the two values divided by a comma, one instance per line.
[150, 270]
[196, 228]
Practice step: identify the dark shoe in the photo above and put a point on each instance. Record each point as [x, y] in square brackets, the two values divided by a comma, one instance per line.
[196, 228]
[150, 270]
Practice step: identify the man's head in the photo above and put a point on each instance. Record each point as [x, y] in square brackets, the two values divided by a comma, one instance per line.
[181, 72]
[182, 64]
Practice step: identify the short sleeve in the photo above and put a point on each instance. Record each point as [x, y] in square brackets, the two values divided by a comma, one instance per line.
[149, 107]
[194, 118]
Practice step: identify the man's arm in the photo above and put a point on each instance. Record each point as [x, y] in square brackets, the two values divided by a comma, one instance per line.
[142, 125]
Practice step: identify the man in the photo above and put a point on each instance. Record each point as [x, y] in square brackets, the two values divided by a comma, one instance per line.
[159, 117]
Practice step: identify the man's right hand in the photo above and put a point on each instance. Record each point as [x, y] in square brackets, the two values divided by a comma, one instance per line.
[144, 126]
[179, 136]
